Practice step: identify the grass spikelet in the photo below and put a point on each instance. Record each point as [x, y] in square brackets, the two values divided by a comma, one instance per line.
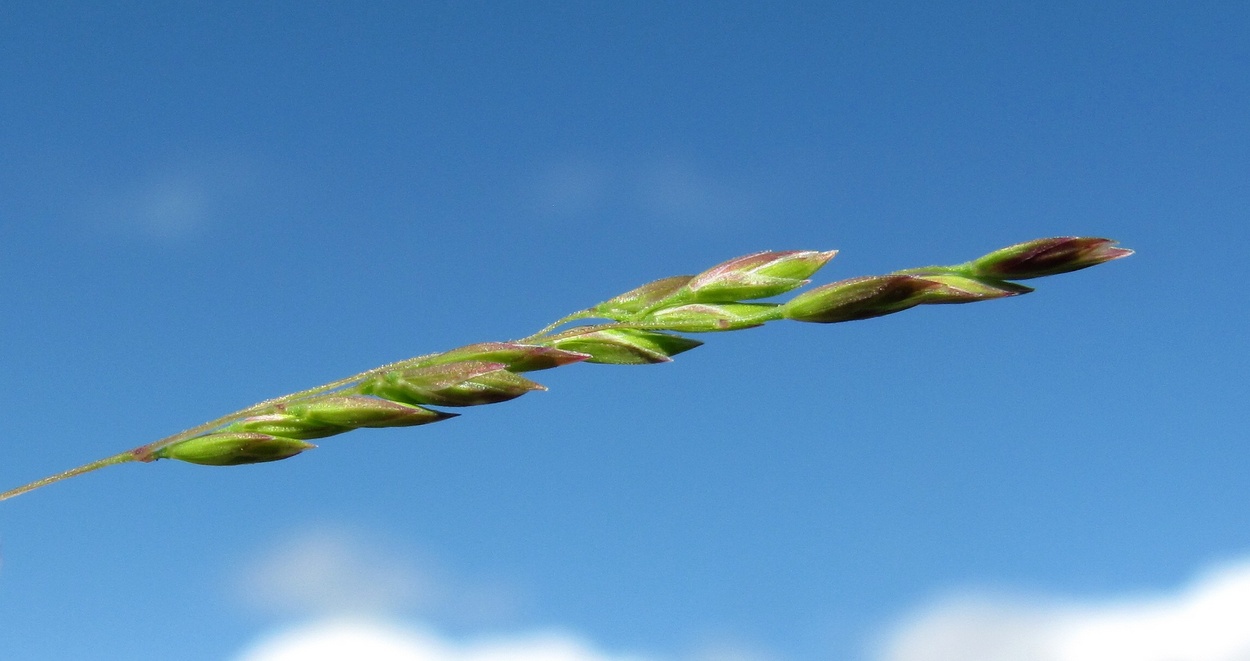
[638, 327]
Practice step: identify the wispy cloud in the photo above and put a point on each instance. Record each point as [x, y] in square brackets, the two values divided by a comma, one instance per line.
[1208, 620]
[571, 188]
[331, 570]
[172, 208]
[679, 190]
[661, 190]
[362, 597]
[170, 203]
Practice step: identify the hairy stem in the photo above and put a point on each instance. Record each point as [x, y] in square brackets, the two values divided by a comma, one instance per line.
[121, 458]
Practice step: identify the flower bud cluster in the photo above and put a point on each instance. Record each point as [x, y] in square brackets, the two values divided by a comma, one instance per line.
[640, 331]
[643, 321]
[751, 277]
[476, 374]
[1043, 257]
[233, 449]
[981, 279]
[706, 302]
[464, 383]
[875, 296]
[623, 346]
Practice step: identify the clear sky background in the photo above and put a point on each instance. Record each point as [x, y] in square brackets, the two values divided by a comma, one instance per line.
[203, 205]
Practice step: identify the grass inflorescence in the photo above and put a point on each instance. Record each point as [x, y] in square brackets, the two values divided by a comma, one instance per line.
[638, 327]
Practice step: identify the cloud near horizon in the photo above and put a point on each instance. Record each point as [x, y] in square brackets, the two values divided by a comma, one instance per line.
[357, 640]
[362, 597]
[370, 600]
[1207, 620]
[373, 639]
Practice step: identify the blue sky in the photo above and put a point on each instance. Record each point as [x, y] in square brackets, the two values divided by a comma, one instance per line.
[209, 204]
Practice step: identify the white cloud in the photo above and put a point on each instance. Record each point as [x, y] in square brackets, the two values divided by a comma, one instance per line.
[358, 640]
[327, 570]
[677, 190]
[172, 202]
[370, 599]
[1208, 620]
[171, 206]
[658, 190]
[330, 573]
[333, 571]
[571, 188]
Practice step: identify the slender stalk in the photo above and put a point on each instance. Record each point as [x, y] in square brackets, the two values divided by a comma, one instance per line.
[144, 453]
[576, 316]
[121, 458]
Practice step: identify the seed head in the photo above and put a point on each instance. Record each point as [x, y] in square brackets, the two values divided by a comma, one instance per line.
[858, 298]
[485, 373]
[286, 425]
[352, 411]
[466, 383]
[760, 275]
[705, 317]
[962, 289]
[1042, 257]
[636, 300]
[233, 449]
[624, 346]
[513, 356]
